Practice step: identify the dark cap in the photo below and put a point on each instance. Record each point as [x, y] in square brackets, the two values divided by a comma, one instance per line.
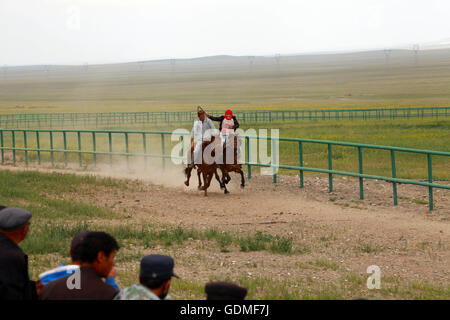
[222, 290]
[157, 266]
[78, 238]
[13, 218]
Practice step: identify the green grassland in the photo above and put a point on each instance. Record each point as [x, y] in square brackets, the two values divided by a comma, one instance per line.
[56, 219]
[307, 81]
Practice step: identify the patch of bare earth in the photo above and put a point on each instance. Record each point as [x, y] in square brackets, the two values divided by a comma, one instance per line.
[407, 242]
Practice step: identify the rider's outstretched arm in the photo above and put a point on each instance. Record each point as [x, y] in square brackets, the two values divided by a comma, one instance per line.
[216, 118]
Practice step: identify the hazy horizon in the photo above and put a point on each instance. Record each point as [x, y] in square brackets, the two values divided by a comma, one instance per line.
[75, 32]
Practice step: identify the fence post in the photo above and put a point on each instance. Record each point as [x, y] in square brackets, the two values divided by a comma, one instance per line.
[38, 145]
[394, 175]
[79, 148]
[163, 151]
[330, 167]
[65, 148]
[274, 159]
[430, 180]
[1, 141]
[25, 145]
[94, 148]
[144, 142]
[110, 147]
[361, 182]
[126, 149]
[51, 148]
[300, 160]
[14, 146]
[247, 151]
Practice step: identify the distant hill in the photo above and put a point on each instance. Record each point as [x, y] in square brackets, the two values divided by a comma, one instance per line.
[360, 79]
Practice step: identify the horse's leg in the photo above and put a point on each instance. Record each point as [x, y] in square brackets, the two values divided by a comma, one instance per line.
[223, 169]
[242, 178]
[187, 172]
[228, 178]
[218, 179]
[199, 180]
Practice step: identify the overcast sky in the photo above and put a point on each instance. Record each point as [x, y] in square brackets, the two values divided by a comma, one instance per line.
[106, 31]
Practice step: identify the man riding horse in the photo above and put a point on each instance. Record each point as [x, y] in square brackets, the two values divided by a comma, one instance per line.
[202, 134]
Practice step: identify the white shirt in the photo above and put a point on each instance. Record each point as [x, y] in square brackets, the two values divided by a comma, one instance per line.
[201, 131]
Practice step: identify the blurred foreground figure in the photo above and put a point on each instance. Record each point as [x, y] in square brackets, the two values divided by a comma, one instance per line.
[75, 254]
[154, 279]
[222, 290]
[97, 252]
[15, 283]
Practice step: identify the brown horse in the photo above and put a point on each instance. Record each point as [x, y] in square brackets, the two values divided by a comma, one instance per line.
[205, 169]
[235, 166]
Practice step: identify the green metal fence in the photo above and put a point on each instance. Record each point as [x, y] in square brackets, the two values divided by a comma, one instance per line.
[9, 142]
[107, 119]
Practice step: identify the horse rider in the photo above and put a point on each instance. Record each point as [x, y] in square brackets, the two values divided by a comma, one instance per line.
[228, 124]
[202, 130]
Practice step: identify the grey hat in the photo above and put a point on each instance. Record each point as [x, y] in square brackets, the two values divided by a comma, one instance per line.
[13, 218]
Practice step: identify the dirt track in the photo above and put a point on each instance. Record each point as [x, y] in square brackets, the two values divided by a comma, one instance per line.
[405, 240]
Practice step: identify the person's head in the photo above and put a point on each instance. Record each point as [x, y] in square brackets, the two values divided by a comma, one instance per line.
[98, 249]
[228, 114]
[222, 290]
[14, 223]
[201, 115]
[156, 273]
[75, 248]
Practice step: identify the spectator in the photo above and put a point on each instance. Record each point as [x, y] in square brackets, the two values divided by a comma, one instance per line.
[15, 283]
[222, 290]
[62, 270]
[97, 253]
[154, 279]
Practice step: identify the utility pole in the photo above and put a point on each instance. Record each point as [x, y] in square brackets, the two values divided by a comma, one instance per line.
[47, 70]
[172, 64]
[251, 60]
[387, 55]
[277, 60]
[5, 71]
[416, 54]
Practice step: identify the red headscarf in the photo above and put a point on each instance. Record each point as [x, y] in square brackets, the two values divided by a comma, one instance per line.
[228, 114]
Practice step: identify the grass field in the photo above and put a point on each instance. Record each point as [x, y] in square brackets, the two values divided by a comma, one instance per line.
[60, 209]
[309, 81]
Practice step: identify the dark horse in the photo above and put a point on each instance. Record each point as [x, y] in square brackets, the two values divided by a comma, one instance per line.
[207, 170]
[234, 166]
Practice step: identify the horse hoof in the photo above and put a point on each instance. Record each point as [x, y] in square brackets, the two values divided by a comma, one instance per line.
[186, 183]
[242, 186]
[226, 191]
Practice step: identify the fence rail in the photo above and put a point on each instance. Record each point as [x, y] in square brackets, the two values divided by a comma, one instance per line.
[105, 119]
[9, 141]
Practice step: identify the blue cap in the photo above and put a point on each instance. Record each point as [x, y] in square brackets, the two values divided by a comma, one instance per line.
[13, 218]
[157, 266]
